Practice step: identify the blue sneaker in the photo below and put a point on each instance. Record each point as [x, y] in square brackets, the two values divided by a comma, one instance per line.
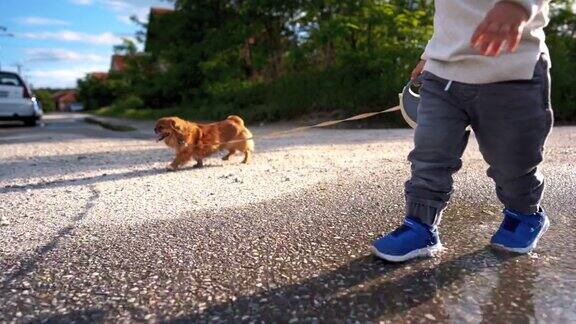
[520, 233]
[411, 240]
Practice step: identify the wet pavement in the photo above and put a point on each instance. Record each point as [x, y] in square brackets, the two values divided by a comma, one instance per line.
[299, 253]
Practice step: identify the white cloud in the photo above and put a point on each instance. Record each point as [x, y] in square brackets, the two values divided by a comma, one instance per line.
[106, 38]
[41, 21]
[82, 2]
[59, 54]
[61, 78]
[125, 19]
[126, 8]
[120, 5]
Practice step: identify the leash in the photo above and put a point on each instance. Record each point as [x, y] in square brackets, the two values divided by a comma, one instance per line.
[330, 122]
[305, 128]
[408, 104]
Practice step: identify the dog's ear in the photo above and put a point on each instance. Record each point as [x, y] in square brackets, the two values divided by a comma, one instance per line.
[191, 136]
[174, 124]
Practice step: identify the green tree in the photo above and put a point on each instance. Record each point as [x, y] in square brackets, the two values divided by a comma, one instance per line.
[95, 92]
[274, 59]
[561, 39]
[45, 98]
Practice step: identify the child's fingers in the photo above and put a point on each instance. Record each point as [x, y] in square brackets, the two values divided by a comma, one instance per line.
[514, 36]
[487, 37]
[417, 70]
[485, 44]
[494, 48]
[491, 38]
[476, 37]
[498, 40]
[415, 75]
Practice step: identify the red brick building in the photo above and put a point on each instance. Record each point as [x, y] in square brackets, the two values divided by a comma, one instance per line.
[64, 99]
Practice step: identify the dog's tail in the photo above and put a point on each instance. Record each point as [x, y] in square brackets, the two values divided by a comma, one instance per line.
[236, 119]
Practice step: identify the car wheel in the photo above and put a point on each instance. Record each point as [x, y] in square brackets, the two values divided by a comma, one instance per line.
[31, 122]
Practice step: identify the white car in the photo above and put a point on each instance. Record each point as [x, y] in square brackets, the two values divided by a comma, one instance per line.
[17, 101]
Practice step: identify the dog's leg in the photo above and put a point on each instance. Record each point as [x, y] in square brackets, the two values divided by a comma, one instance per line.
[199, 164]
[247, 157]
[230, 153]
[182, 157]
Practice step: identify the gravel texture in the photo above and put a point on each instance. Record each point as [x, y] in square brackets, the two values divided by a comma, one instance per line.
[93, 228]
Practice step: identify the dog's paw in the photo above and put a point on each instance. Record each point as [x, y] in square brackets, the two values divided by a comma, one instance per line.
[171, 167]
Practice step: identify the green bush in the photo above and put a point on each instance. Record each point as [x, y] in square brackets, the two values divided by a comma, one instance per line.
[561, 40]
[563, 55]
[277, 60]
[45, 99]
[128, 103]
[95, 93]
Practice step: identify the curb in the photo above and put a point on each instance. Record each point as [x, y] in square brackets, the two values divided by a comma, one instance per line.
[107, 125]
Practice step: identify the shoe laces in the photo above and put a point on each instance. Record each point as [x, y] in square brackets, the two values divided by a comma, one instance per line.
[400, 230]
[512, 220]
[510, 224]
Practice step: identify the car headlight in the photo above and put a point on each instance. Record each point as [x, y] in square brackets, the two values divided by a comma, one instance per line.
[36, 105]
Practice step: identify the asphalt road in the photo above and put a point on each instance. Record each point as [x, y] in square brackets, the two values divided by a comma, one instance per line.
[95, 229]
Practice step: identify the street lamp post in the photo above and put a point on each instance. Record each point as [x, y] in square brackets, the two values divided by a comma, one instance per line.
[3, 33]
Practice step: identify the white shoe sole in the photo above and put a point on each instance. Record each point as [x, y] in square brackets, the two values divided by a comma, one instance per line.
[428, 251]
[528, 248]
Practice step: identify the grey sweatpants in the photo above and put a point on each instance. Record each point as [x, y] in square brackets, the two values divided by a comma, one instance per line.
[511, 121]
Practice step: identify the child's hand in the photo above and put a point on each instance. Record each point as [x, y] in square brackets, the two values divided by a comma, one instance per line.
[503, 24]
[418, 70]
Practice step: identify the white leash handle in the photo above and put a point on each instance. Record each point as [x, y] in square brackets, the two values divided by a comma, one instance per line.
[409, 101]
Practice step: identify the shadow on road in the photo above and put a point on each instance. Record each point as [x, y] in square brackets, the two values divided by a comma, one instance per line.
[83, 181]
[46, 166]
[8, 125]
[368, 289]
[324, 296]
[363, 289]
[331, 137]
[105, 177]
[512, 299]
[57, 164]
[86, 316]
[29, 264]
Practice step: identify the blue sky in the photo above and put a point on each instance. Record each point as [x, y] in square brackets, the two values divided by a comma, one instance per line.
[59, 41]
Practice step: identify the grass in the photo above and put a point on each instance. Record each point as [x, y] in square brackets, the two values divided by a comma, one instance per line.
[142, 113]
[113, 127]
[383, 121]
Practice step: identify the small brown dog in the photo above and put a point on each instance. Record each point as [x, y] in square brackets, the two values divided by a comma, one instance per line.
[198, 141]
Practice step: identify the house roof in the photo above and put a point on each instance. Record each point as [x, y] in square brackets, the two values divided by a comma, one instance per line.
[154, 32]
[58, 94]
[98, 75]
[68, 97]
[65, 96]
[159, 11]
[118, 62]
